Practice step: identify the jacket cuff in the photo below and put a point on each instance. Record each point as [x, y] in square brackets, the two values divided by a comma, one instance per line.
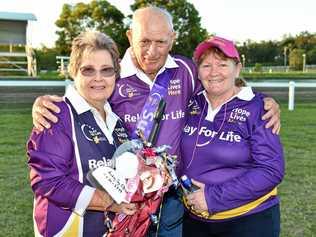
[83, 200]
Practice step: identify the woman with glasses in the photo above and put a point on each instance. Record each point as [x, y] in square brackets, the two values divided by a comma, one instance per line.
[85, 137]
[235, 162]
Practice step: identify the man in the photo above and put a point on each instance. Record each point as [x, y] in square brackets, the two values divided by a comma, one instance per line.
[144, 65]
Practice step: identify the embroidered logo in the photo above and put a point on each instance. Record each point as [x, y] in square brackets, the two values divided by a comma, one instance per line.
[174, 87]
[121, 134]
[126, 90]
[91, 134]
[238, 115]
[194, 107]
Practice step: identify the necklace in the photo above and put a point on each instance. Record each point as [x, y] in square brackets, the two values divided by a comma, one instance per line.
[196, 144]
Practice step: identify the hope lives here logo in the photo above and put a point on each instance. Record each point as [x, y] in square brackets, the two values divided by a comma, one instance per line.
[238, 115]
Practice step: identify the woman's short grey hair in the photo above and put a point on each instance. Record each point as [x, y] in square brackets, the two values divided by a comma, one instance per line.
[88, 42]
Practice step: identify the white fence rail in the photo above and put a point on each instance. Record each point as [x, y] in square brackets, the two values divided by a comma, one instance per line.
[291, 85]
[19, 62]
[15, 65]
[308, 68]
[33, 83]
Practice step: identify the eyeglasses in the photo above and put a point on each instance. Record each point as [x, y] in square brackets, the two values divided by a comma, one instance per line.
[91, 71]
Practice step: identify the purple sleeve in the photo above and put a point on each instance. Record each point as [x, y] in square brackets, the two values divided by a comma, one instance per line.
[51, 163]
[197, 83]
[266, 172]
[198, 86]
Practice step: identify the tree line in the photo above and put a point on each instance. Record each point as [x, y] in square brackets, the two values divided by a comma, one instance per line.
[289, 51]
[101, 15]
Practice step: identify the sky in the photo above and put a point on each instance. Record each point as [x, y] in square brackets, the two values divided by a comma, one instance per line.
[237, 20]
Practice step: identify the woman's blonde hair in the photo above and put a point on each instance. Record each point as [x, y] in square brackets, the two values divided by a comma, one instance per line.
[86, 43]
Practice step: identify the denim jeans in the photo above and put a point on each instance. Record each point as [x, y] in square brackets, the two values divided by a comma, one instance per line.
[171, 217]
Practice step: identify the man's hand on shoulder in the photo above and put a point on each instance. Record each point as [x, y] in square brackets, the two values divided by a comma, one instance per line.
[42, 111]
[272, 114]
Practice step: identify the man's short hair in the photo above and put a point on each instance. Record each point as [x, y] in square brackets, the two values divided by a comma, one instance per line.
[159, 10]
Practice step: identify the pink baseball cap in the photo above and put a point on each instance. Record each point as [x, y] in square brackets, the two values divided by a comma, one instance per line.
[226, 46]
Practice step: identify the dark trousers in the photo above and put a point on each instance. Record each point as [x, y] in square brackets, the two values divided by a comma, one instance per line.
[262, 224]
[171, 217]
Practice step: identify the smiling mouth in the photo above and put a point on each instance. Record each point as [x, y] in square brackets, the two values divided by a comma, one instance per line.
[151, 60]
[216, 80]
[98, 87]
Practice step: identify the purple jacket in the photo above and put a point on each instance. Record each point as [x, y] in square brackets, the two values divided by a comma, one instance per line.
[232, 152]
[59, 160]
[133, 89]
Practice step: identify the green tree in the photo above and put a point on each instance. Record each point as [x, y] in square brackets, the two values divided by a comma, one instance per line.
[296, 59]
[186, 21]
[305, 40]
[311, 56]
[265, 52]
[272, 52]
[46, 58]
[96, 15]
[258, 67]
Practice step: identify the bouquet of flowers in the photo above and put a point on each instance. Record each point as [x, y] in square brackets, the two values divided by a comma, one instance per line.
[142, 174]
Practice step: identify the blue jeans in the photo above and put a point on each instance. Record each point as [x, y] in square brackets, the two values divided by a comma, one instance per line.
[171, 217]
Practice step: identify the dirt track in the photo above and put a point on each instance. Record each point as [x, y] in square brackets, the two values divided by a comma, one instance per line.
[26, 94]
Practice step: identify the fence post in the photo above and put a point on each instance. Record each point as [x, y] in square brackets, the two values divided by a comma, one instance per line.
[291, 95]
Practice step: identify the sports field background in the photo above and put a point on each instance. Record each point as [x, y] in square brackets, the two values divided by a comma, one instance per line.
[297, 191]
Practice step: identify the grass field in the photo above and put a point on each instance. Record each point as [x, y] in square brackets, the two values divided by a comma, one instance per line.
[297, 192]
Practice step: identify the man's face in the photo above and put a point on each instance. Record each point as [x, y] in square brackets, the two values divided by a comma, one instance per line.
[151, 43]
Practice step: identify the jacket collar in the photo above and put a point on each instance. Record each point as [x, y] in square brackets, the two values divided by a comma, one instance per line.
[128, 68]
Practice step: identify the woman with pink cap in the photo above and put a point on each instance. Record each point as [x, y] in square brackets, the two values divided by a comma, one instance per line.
[228, 153]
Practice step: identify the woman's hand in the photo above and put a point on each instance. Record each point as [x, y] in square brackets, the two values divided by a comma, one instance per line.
[197, 199]
[102, 201]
